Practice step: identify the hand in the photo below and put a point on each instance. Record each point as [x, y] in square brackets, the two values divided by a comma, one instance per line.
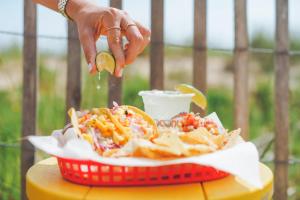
[93, 21]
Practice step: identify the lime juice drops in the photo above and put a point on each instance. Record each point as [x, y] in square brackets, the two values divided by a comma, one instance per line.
[98, 81]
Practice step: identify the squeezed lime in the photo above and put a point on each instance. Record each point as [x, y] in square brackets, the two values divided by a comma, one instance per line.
[105, 61]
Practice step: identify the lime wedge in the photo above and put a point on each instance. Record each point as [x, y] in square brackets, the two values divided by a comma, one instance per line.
[199, 98]
[105, 61]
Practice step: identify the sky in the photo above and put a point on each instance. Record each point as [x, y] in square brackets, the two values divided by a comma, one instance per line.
[178, 21]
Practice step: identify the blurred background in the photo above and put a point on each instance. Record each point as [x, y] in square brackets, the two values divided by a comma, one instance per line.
[52, 45]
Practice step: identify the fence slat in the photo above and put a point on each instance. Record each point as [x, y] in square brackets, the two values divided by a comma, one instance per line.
[29, 90]
[200, 49]
[241, 68]
[73, 69]
[157, 45]
[114, 83]
[281, 101]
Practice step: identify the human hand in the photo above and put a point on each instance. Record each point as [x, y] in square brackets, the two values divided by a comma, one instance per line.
[93, 21]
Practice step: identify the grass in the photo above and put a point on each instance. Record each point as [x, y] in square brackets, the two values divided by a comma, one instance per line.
[9, 157]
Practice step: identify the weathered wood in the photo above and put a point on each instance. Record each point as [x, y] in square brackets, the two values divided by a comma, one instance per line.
[157, 45]
[281, 101]
[116, 4]
[29, 90]
[241, 68]
[114, 83]
[73, 69]
[200, 49]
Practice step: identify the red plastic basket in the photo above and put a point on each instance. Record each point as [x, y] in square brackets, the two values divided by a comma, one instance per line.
[87, 172]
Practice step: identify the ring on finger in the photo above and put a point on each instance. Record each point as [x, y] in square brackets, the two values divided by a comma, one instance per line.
[128, 25]
[111, 28]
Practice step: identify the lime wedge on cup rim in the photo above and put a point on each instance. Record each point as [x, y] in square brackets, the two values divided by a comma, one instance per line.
[199, 98]
[105, 61]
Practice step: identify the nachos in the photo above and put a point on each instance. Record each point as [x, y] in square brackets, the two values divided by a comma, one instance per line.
[128, 131]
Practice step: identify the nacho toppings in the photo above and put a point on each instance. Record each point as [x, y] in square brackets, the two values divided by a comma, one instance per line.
[99, 130]
[133, 120]
[128, 131]
[187, 122]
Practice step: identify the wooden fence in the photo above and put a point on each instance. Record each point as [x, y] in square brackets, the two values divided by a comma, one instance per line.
[241, 52]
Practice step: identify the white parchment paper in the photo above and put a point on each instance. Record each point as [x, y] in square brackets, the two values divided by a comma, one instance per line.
[241, 160]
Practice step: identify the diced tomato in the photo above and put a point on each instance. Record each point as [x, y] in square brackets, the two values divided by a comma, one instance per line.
[190, 120]
[185, 129]
[196, 124]
[84, 118]
[83, 129]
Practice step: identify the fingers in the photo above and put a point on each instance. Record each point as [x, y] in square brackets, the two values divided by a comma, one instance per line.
[89, 47]
[113, 24]
[135, 43]
[144, 31]
[146, 34]
[114, 38]
[136, 40]
[111, 28]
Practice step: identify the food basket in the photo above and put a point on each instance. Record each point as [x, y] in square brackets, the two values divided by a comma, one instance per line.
[93, 173]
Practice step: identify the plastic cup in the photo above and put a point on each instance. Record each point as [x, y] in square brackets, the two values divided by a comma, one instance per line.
[163, 105]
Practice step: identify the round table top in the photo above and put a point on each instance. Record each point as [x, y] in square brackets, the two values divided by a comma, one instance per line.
[43, 181]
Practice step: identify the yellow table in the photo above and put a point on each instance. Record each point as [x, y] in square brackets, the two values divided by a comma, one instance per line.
[44, 181]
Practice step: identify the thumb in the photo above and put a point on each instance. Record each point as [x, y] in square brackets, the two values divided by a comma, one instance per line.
[89, 47]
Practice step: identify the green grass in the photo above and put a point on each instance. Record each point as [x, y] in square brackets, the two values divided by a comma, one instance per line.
[131, 88]
[220, 101]
[10, 129]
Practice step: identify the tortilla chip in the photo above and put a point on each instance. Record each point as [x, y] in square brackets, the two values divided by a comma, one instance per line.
[198, 136]
[156, 152]
[233, 138]
[74, 121]
[171, 141]
[219, 140]
[198, 149]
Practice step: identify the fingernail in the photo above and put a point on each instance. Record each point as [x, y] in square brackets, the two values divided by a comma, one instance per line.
[90, 67]
[119, 72]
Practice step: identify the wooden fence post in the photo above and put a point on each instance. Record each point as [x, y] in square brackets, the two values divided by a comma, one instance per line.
[281, 100]
[200, 49]
[157, 45]
[114, 83]
[241, 68]
[73, 69]
[29, 90]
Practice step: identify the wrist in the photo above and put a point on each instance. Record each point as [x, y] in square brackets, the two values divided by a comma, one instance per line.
[73, 8]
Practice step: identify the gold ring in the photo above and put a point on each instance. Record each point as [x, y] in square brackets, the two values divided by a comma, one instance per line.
[113, 27]
[128, 25]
